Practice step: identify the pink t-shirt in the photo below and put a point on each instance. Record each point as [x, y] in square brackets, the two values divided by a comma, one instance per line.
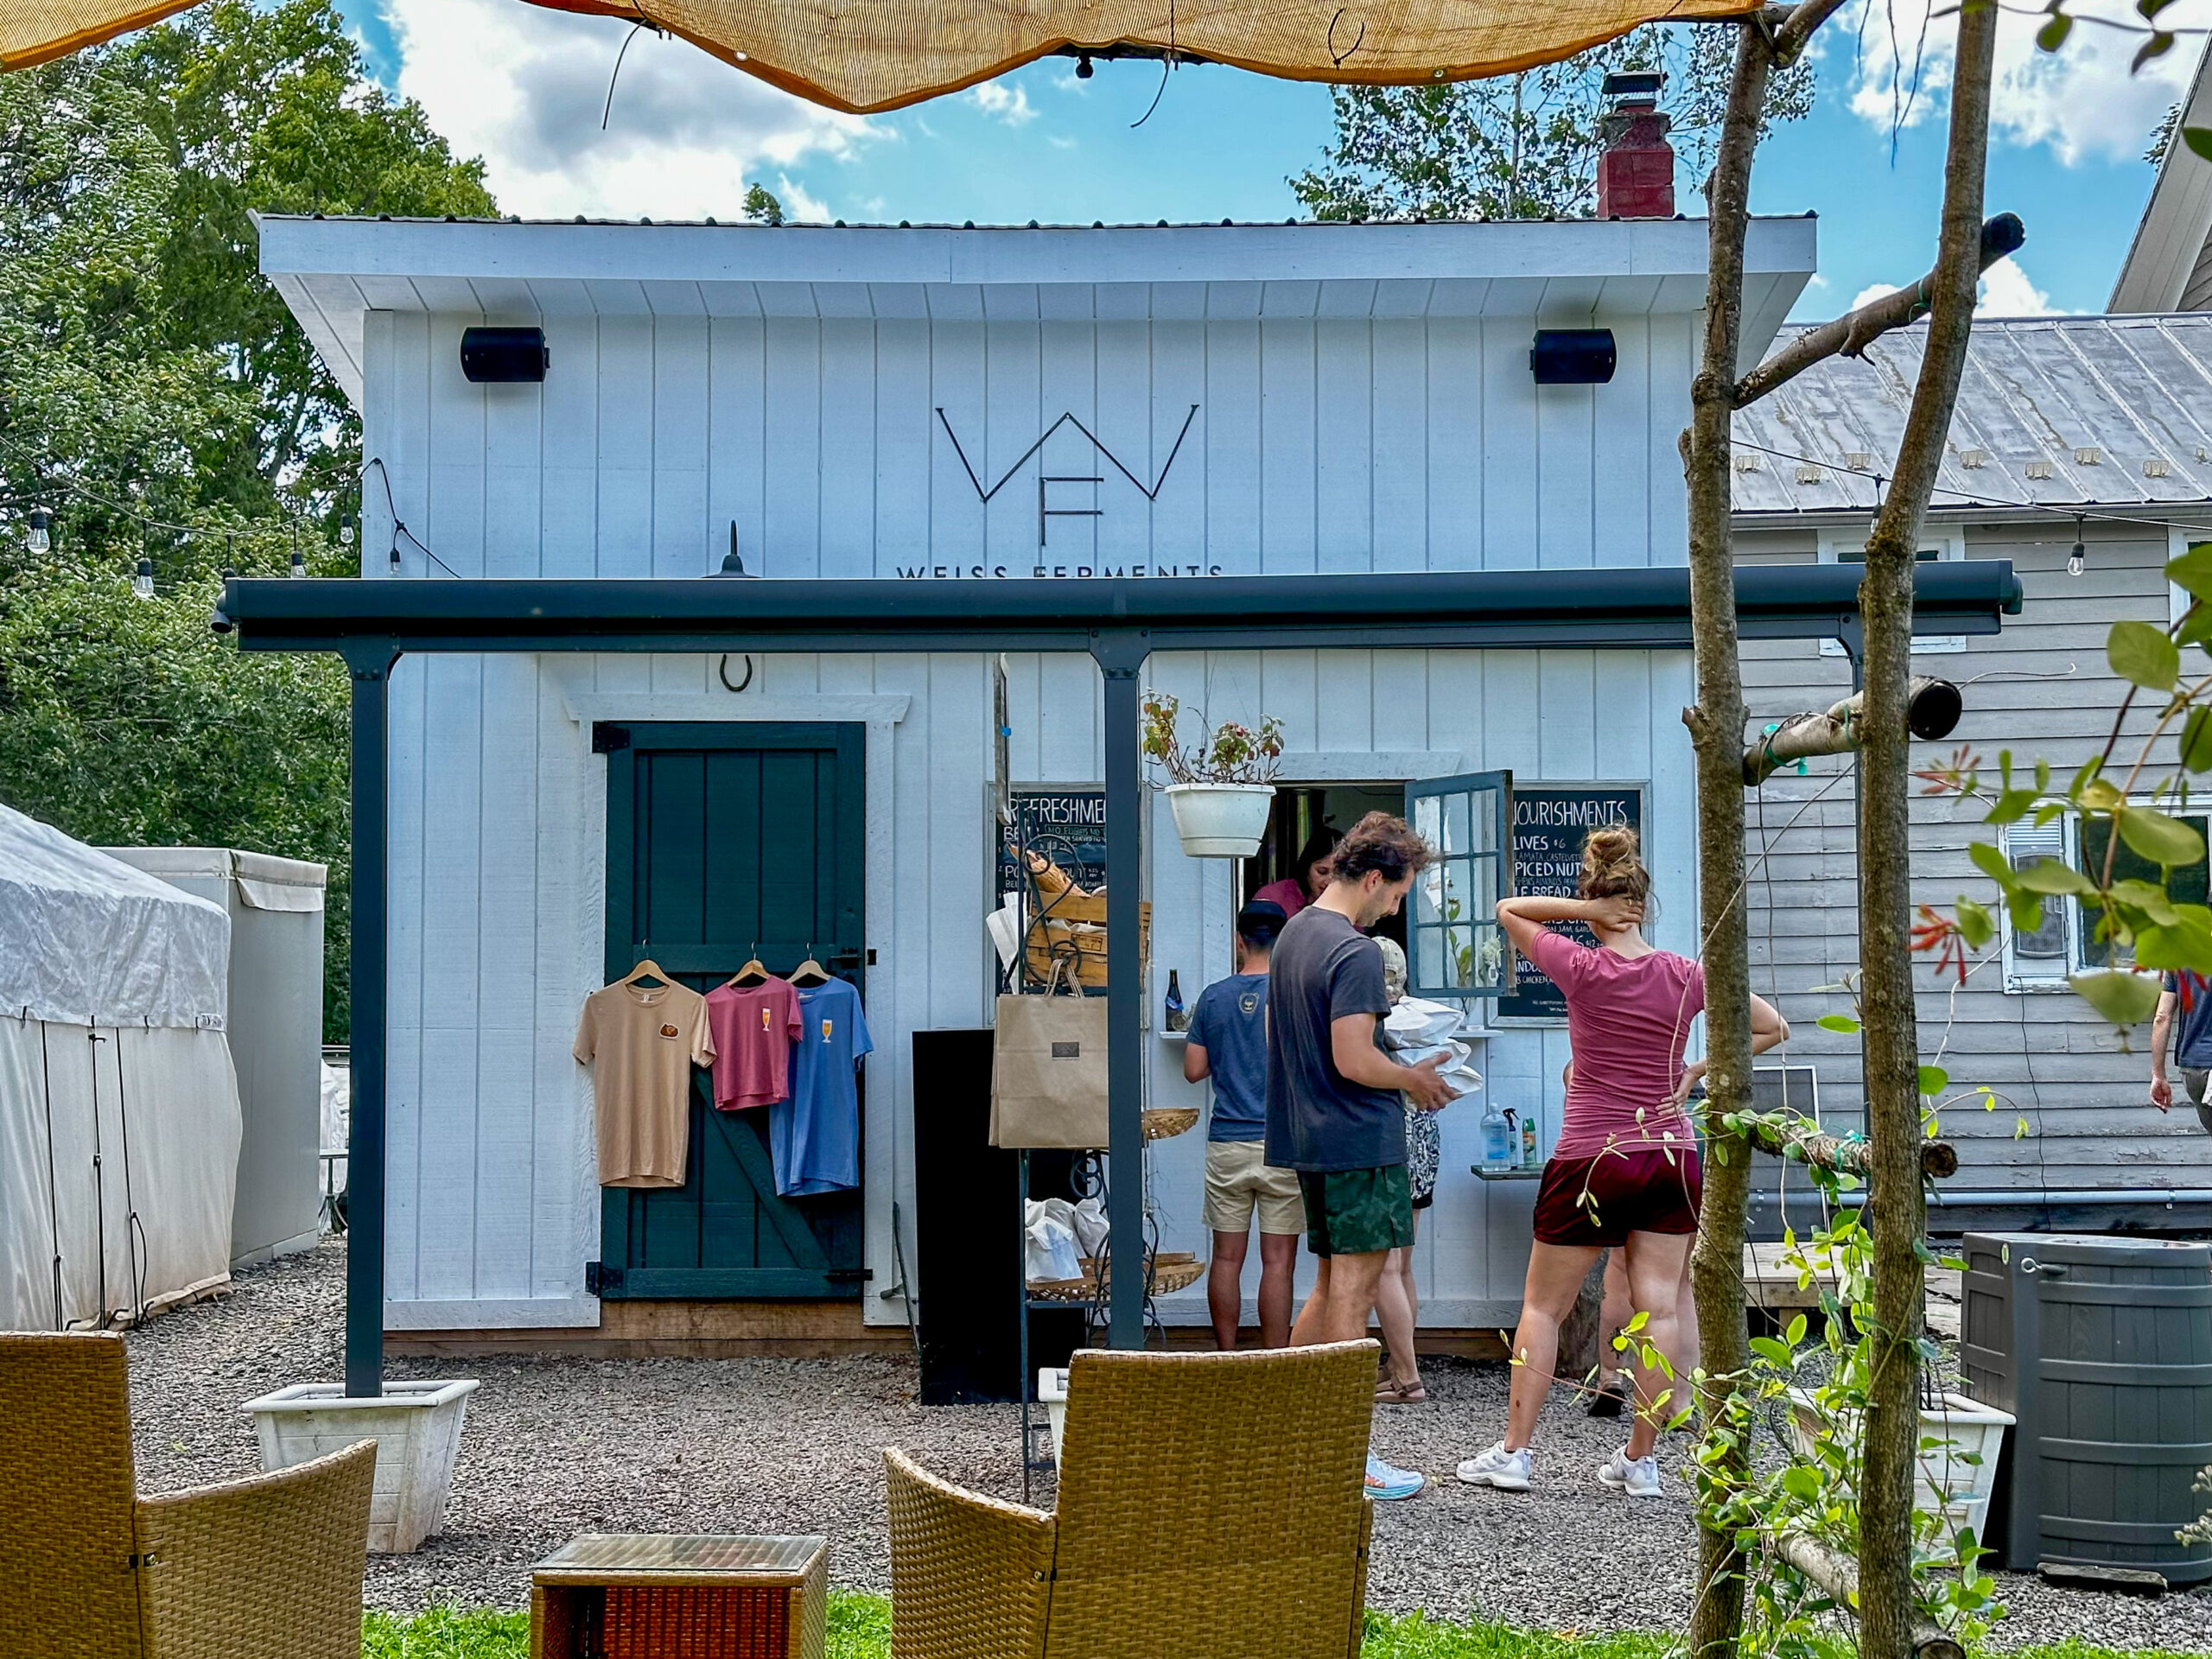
[754, 1029]
[1285, 892]
[1627, 1018]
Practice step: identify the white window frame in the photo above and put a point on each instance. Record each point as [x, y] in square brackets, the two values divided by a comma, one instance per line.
[2177, 537]
[1948, 543]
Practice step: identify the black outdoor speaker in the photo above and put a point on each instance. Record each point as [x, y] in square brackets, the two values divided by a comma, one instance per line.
[504, 354]
[1572, 357]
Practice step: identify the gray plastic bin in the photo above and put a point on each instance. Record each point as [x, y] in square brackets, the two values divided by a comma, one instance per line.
[2101, 1347]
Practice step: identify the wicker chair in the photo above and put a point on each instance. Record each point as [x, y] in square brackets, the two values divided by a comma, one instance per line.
[1208, 1504]
[268, 1568]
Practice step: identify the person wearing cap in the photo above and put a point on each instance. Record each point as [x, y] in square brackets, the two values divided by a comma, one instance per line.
[1228, 1044]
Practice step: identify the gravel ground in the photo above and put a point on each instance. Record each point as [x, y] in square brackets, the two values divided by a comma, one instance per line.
[556, 1448]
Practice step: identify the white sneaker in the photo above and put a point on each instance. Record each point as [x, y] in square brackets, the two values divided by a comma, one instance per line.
[1637, 1476]
[1506, 1470]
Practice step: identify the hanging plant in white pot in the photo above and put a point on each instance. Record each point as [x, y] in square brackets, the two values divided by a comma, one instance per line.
[1219, 789]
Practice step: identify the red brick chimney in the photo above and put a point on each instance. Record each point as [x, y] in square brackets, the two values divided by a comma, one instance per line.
[1636, 173]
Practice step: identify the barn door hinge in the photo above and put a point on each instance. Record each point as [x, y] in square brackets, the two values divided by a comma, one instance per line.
[848, 1275]
[607, 737]
[852, 958]
[599, 1279]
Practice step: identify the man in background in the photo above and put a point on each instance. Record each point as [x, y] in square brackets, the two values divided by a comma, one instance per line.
[1228, 1044]
[2190, 995]
[1333, 1112]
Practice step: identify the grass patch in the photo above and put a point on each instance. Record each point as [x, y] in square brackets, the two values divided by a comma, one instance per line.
[860, 1628]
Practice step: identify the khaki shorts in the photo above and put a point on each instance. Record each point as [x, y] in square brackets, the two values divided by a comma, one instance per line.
[1238, 1181]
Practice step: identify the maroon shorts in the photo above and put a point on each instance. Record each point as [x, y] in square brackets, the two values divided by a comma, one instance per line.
[1600, 1201]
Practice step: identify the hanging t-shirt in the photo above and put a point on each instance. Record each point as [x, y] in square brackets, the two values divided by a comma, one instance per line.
[814, 1136]
[641, 1044]
[754, 1029]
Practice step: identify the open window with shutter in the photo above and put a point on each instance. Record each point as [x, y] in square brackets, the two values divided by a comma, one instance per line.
[2039, 959]
[1456, 949]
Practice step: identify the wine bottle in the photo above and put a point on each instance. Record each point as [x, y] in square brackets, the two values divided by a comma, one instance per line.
[1176, 1020]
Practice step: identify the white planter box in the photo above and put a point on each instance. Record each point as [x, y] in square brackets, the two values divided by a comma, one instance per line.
[1220, 820]
[416, 1427]
[1948, 1484]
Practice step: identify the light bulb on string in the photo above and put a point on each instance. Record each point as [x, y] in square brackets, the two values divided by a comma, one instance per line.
[299, 559]
[345, 532]
[2080, 557]
[141, 582]
[40, 538]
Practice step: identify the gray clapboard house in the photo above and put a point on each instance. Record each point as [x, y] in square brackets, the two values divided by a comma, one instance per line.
[2082, 452]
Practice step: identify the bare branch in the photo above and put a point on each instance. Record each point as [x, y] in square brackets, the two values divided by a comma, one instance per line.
[1805, 1144]
[1797, 25]
[1935, 708]
[1851, 334]
[1837, 1575]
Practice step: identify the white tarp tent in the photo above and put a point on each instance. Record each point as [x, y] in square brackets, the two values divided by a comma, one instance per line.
[119, 1118]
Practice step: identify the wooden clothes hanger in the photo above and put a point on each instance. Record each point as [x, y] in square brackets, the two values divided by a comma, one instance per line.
[809, 973]
[647, 969]
[754, 972]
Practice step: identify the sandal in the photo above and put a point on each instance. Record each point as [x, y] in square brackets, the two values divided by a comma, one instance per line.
[1394, 1393]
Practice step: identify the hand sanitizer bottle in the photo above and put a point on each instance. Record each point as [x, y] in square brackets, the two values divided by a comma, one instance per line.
[1497, 1139]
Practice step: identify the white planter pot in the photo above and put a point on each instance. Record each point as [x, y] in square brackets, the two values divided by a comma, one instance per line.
[1949, 1484]
[416, 1427]
[1220, 820]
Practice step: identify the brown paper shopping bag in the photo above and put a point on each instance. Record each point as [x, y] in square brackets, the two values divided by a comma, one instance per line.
[1048, 1071]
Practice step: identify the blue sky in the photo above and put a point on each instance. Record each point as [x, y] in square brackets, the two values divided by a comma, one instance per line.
[524, 88]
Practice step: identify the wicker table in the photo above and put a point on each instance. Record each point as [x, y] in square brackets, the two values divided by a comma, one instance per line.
[646, 1596]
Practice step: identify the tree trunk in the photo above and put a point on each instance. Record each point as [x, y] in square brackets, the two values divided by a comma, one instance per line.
[1897, 1208]
[1716, 734]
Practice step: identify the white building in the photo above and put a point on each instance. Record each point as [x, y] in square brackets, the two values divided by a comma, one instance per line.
[1248, 400]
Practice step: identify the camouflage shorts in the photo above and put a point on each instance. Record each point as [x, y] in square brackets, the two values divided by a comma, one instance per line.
[1357, 1211]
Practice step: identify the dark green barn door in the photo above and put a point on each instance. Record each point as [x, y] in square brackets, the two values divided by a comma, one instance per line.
[725, 842]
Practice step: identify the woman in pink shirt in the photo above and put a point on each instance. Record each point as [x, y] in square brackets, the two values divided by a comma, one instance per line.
[1309, 874]
[1624, 1172]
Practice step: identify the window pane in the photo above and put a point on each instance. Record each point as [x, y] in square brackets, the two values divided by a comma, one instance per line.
[1428, 956]
[2188, 886]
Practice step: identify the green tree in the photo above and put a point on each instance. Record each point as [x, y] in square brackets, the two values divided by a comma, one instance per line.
[1523, 146]
[156, 395]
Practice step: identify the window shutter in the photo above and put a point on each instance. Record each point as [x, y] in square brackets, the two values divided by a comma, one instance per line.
[1457, 949]
[2037, 958]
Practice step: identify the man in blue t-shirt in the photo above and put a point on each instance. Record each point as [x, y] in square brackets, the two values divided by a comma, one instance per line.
[2192, 995]
[1229, 1043]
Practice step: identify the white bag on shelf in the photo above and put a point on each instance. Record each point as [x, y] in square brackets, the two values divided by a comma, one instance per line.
[1049, 1249]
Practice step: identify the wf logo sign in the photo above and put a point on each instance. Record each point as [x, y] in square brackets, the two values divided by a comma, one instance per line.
[1045, 511]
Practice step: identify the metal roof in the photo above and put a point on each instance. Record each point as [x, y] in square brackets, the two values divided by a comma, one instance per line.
[2053, 412]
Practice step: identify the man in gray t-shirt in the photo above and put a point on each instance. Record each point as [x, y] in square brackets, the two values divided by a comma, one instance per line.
[1333, 1112]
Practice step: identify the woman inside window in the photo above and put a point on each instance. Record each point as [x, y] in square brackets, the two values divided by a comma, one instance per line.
[1624, 1172]
[1309, 874]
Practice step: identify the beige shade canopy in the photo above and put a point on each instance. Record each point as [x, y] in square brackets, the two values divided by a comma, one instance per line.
[864, 56]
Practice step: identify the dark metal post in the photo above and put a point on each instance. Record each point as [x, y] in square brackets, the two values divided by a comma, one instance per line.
[1121, 655]
[370, 663]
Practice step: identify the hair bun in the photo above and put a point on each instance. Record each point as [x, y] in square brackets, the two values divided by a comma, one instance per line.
[1612, 865]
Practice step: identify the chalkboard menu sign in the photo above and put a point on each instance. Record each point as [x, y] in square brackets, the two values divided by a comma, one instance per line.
[1549, 825]
[1065, 825]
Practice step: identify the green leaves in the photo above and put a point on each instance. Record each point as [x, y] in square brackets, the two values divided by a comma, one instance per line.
[2054, 876]
[2143, 655]
[2125, 1000]
[2200, 140]
[1934, 1080]
[1976, 926]
[1842, 1023]
[2151, 834]
[2052, 35]
[2196, 739]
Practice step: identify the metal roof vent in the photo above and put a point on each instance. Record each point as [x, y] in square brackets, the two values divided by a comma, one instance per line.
[2038, 469]
[2158, 467]
[1857, 460]
[1973, 460]
[2089, 455]
[1747, 460]
[1809, 474]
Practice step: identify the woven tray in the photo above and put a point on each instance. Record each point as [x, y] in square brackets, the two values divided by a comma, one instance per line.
[1172, 1270]
[1165, 1123]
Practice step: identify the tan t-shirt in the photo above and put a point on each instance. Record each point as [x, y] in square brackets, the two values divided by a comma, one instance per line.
[641, 1044]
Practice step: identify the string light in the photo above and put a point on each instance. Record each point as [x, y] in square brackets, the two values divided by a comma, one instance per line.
[2080, 557]
[39, 539]
[299, 559]
[141, 584]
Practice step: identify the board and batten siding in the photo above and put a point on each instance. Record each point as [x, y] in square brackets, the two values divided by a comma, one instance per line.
[2042, 688]
[1353, 443]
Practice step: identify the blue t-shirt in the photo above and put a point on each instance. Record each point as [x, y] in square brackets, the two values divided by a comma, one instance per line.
[2192, 1022]
[814, 1136]
[1231, 1023]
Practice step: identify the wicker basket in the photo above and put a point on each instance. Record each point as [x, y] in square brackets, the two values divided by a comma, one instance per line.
[1172, 1270]
[1166, 1122]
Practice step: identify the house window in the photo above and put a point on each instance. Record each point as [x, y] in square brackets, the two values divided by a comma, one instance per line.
[2064, 942]
[1457, 949]
[1849, 547]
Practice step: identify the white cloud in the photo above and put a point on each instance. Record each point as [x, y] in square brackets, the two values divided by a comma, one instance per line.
[2081, 101]
[524, 87]
[800, 206]
[1008, 104]
[1865, 295]
[2006, 292]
